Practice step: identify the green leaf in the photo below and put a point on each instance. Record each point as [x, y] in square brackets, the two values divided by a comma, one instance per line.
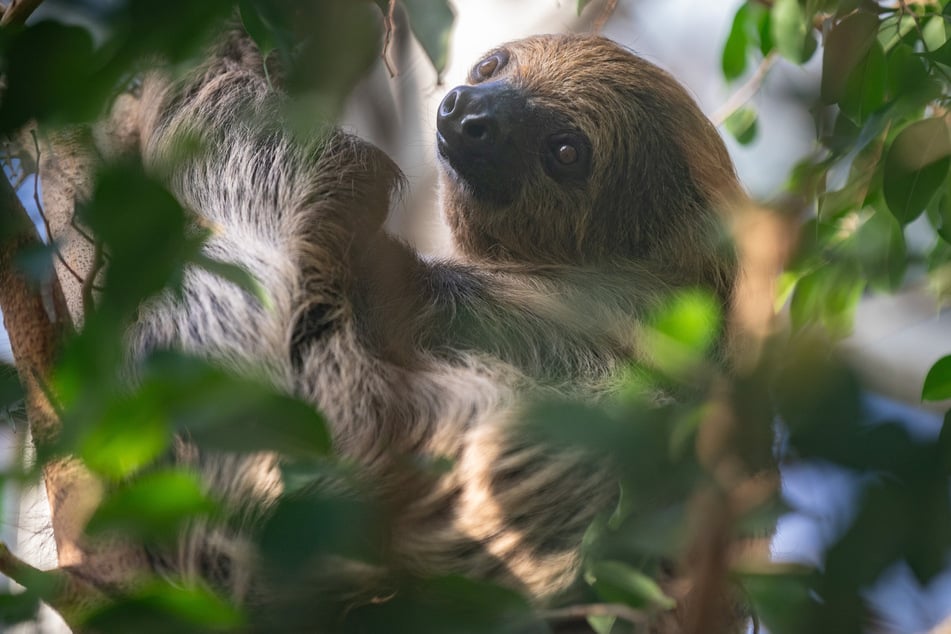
[683, 332]
[431, 22]
[602, 624]
[742, 125]
[269, 25]
[221, 411]
[916, 165]
[734, 56]
[52, 74]
[338, 42]
[846, 45]
[11, 390]
[828, 297]
[942, 54]
[791, 31]
[939, 213]
[617, 582]
[153, 507]
[763, 21]
[782, 601]
[130, 434]
[908, 79]
[304, 527]
[865, 87]
[143, 229]
[162, 607]
[879, 247]
[17, 608]
[937, 385]
[237, 275]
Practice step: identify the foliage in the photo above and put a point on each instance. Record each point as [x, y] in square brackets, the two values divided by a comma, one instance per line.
[881, 162]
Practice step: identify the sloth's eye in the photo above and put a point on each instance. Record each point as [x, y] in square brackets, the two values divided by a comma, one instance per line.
[489, 66]
[568, 158]
[566, 154]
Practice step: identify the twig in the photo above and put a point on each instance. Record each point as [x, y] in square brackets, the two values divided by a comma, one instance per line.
[15, 568]
[389, 26]
[18, 11]
[606, 12]
[745, 92]
[36, 189]
[42, 212]
[82, 232]
[629, 614]
[903, 10]
[89, 284]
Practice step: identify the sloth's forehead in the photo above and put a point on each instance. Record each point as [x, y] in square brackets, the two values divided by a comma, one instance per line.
[580, 71]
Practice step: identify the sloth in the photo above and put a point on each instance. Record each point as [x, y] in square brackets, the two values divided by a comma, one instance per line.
[582, 185]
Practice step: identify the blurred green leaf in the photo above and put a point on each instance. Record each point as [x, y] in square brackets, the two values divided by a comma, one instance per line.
[268, 24]
[818, 398]
[173, 29]
[130, 434]
[304, 527]
[879, 248]
[742, 125]
[782, 600]
[939, 212]
[36, 262]
[937, 386]
[617, 582]
[791, 31]
[431, 22]
[682, 333]
[17, 608]
[827, 296]
[761, 15]
[159, 608]
[338, 42]
[52, 75]
[143, 229]
[11, 390]
[451, 604]
[846, 45]
[916, 165]
[864, 91]
[733, 60]
[237, 276]
[942, 54]
[221, 411]
[908, 79]
[602, 624]
[153, 507]
[929, 542]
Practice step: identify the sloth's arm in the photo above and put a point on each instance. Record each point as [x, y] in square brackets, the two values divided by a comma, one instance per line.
[553, 323]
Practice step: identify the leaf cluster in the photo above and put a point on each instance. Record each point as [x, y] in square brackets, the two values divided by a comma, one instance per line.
[882, 157]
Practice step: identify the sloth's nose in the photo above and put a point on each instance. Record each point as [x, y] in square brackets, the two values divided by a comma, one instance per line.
[471, 119]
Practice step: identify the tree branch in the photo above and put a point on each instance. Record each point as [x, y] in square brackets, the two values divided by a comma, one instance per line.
[745, 92]
[618, 610]
[36, 318]
[18, 11]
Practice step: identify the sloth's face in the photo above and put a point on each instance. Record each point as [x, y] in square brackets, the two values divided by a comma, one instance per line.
[572, 149]
[493, 135]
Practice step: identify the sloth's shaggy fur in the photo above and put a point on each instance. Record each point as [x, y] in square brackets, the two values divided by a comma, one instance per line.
[412, 358]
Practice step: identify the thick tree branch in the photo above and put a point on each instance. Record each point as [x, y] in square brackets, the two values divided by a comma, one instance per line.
[34, 315]
[36, 318]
